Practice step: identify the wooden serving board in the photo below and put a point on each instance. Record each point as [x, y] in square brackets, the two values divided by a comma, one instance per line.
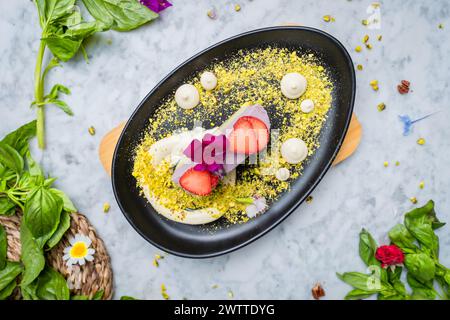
[349, 146]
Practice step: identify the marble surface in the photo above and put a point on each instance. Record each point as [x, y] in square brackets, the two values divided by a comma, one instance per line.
[319, 238]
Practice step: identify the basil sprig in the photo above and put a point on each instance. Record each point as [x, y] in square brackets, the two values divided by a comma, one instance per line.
[46, 217]
[417, 239]
[64, 31]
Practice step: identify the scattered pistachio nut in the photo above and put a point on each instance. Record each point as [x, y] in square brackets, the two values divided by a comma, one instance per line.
[237, 8]
[380, 37]
[164, 292]
[366, 38]
[422, 184]
[106, 207]
[421, 141]
[381, 106]
[369, 46]
[358, 48]
[413, 200]
[328, 18]
[441, 26]
[385, 164]
[212, 14]
[397, 163]
[359, 67]
[155, 263]
[365, 22]
[309, 199]
[91, 130]
[230, 294]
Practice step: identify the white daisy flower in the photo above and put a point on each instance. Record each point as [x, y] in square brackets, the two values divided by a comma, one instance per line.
[78, 251]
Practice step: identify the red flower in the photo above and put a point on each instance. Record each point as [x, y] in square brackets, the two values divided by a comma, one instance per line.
[389, 255]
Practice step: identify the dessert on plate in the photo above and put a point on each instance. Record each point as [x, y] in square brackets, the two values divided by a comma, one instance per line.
[230, 139]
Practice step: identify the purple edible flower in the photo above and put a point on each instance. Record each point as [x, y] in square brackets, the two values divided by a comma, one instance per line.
[156, 5]
[209, 154]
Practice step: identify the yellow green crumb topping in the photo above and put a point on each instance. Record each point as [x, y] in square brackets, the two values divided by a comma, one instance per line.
[246, 78]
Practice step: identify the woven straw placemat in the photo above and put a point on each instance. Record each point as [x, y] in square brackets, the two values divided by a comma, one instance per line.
[83, 280]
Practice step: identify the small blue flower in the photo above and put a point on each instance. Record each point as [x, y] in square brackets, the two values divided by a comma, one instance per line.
[408, 123]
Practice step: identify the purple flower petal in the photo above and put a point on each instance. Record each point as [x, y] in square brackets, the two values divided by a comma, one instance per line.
[156, 5]
[200, 167]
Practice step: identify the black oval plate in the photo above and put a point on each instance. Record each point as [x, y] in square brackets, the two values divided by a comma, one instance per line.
[203, 241]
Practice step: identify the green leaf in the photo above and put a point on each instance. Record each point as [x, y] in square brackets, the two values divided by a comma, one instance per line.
[52, 10]
[8, 290]
[64, 225]
[51, 285]
[9, 273]
[33, 167]
[421, 266]
[401, 237]
[62, 105]
[56, 90]
[18, 139]
[120, 15]
[357, 294]
[361, 281]
[3, 247]
[127, 298]
[32, 256]
[62, 47]
[7, 206]
[79, 297]
[29, 291]
[98, 295]
[11, 158]
[367, 248]
[67, 203]
[42, 212]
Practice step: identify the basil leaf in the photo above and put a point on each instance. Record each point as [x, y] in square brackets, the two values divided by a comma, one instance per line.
[79, 297]
[7, 206]
[52, 10]
[29, 291]
[360, 281]
[127, 298]
[3, 247]
[401, 237]
[9, 273]
[56, 90]
[357, 294]
[61, 105]
[367, 248]
[62, 47]
[67, 203]
[33, 167]
[421, 266]
[8, 290]
[11, 158]
[32, 256]
[120, 15]
[51, 285]
[98, 295]
[18, 139]
[42, 212]
[64, 225]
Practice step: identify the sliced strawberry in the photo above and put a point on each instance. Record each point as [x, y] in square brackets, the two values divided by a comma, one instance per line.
[214, 181]
[249, 135]
[261, 132]
[200, 183]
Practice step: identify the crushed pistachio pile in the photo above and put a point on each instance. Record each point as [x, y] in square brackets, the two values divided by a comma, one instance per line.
[246, 78]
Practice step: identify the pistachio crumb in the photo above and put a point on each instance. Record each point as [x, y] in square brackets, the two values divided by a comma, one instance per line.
[164, 292]
[365, 22]
[358, 48]
[309, 199]
[230, 294]
[214, 286]
[386, 164]
[91, 130]
[155, 263]
[380, 37]
[421, 141]
[328, 18]
[441, 26]
[359, 67]
[413, 200]
[381, 106]
[106, 207]
[422, 184]
[211, 14]
[397, 163]
[366, 38]
[237, 8]
[369, 46]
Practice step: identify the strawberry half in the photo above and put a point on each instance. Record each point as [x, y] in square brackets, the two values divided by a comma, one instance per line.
[200, 183]
[249, 136]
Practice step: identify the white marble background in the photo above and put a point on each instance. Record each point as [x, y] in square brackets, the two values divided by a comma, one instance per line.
[318, 239]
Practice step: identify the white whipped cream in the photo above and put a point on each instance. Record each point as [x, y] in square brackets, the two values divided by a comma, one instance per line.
[208, 80]
[187, 96]
[307, 106]
[294, 150]
[293, 85]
